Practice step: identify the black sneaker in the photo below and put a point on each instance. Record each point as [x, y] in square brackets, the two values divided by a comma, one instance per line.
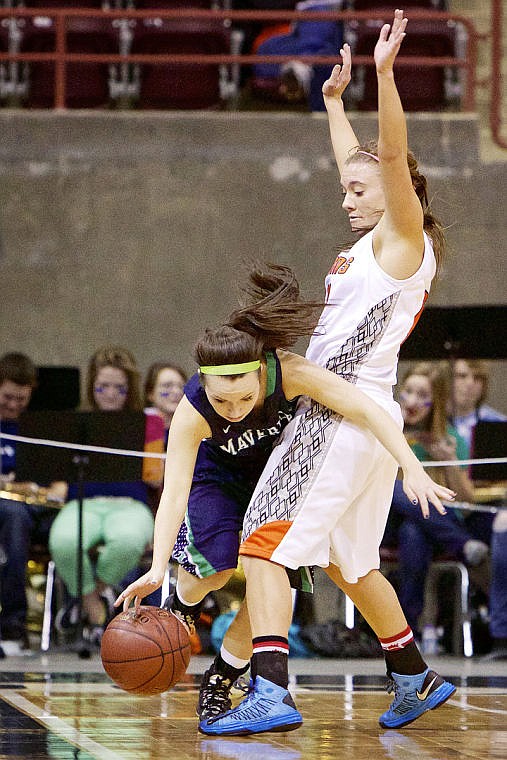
[93, 634]
[14, 630]
[108, 596]
[67, 618]
[214, 695]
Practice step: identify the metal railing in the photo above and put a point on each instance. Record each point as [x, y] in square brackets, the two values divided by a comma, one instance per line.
[496, 79]
[61, 56]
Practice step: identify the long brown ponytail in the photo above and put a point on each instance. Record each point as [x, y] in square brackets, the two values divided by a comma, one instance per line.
[274, 316]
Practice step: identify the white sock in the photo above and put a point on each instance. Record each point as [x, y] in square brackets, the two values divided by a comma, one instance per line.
[230, 659]
[183, 600]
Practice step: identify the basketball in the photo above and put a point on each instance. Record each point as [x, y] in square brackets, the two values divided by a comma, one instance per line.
[145, 652]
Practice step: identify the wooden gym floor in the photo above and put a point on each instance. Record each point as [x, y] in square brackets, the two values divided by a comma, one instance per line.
[60, 706]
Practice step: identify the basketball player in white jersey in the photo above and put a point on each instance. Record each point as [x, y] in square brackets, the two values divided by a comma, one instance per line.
[324, 496]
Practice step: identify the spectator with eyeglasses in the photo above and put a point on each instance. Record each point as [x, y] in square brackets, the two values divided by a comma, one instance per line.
[163, 390]
[116, 516]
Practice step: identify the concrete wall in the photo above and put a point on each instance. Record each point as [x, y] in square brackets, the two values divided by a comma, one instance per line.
[133, 228]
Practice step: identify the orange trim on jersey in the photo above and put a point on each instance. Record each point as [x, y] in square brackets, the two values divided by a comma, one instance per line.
[417, 316]
[263, 542]
[154, 441]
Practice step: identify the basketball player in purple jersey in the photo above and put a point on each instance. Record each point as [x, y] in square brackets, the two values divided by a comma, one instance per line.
[221, 436]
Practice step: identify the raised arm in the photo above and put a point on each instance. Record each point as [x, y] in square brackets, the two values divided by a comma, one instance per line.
[399, 241]
[188, 428]
[302, 377]
[343, 139]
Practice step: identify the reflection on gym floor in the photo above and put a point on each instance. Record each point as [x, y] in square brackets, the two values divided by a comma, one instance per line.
[59, 706]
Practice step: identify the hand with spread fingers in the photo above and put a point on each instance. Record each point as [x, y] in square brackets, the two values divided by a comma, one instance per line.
[422, 490]
[389, 41]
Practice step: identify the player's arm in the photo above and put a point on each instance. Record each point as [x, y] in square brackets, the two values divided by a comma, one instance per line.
[187, 430]
[302, 377]
[343, 138]
[398, 238]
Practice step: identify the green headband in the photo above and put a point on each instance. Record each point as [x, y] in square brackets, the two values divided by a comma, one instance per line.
[231, 369]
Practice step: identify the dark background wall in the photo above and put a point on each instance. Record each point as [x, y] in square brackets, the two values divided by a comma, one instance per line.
[134, 228]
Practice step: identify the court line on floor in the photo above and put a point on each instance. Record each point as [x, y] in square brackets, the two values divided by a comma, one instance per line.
[463, 705]
[57, 726]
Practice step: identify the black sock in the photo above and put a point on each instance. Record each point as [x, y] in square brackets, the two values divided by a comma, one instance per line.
[273, 663]
[194, 610]
[407, 660]
[219, 665]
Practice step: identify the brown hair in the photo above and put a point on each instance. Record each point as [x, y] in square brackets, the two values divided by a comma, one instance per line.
[481, 370]
[439, 376]
[152, 375]
[274, 317]
[120, 358]
[18, 368]
[432, 226]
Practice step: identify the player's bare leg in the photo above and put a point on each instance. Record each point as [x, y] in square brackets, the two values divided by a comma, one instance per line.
[234, 657]
[269, 705]
[416, 687]
[387, 618]
[231, 662]
[188, 598]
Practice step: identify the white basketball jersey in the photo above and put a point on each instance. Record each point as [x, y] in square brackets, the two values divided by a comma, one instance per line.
[369, 315]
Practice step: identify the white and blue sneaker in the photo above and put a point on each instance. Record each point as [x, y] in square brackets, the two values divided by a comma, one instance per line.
[413, 696]
[268, 707]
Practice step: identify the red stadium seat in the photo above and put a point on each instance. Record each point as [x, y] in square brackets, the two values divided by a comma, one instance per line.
[63, 3]
[4, 35]
[175, 85]
[86, 83]
[375, 5]
[168, 4]
[421, 88]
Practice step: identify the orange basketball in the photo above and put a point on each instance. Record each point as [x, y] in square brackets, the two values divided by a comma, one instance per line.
[147, 652]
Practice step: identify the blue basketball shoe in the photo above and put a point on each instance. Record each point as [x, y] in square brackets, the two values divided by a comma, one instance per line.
[268, 707]
[413, 696]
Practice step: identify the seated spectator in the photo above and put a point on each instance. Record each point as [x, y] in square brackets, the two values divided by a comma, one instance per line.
[19, 521]
[471, 386]
[424, 394]
[296, 81]
[498, 588]
[251, 29]
[115, 515]
[470, 390]
[163, 389]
